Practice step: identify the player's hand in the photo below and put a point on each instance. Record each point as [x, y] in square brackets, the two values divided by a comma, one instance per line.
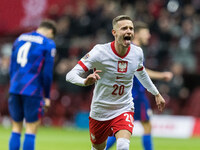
[160, 102]
[47, 103]
[167, 76]
[92, 78]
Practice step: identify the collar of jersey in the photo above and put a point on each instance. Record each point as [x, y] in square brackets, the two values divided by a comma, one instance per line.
[114, 50]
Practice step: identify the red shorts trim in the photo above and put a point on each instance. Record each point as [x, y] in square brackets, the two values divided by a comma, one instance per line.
[100, 130]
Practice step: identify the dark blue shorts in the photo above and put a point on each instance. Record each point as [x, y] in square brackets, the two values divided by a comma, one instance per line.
[28, 107]
[142, 107]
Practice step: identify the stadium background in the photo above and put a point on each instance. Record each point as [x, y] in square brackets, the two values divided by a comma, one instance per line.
[174, 46]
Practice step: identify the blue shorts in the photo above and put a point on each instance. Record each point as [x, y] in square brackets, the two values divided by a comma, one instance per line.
[142, 107]
[28, 107]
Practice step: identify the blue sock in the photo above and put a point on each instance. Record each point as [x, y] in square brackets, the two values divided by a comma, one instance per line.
[14, 143]
[29, 142]
[147, 142]
[110, 141]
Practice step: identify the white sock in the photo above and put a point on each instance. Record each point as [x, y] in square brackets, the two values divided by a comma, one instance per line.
[123, 144]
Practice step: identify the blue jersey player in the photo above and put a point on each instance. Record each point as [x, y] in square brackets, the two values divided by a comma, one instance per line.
[31, 76]
[141, 103]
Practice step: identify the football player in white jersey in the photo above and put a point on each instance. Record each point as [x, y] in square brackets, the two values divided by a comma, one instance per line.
[115, 65]
[142, 110]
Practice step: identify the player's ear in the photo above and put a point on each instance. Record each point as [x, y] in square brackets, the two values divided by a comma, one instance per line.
[113, 32]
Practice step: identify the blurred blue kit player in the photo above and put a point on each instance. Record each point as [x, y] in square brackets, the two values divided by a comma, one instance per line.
[31, 76]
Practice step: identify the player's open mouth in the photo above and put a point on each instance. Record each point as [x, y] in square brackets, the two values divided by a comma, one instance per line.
[127, 40]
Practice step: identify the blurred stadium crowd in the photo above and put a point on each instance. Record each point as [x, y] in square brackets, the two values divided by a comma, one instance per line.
[174, 46]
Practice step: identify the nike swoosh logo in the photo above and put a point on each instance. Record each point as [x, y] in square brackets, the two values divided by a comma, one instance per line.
[118, 77]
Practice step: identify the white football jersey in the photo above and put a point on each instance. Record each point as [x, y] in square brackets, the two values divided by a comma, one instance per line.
[112, 94]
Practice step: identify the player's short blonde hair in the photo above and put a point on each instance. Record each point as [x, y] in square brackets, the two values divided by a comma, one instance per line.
[119, 18]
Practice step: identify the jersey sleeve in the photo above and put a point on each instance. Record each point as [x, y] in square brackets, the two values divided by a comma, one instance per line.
[48, 69]
[90, 59]
[12, 58]
[84, 65]
[143, 77]
[74, 76]
[141, 60]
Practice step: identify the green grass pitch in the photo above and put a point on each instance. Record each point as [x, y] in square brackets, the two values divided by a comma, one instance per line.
[49, 138]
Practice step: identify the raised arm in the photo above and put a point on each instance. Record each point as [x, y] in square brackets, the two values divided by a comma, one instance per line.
[74, 76]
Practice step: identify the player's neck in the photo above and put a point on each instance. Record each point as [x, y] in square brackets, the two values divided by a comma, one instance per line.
[120, 49]
[43, 32]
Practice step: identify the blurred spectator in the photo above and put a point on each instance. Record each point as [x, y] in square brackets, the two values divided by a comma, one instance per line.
[5, 53]
[4, 64]
[176, 86]
[184, 53]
